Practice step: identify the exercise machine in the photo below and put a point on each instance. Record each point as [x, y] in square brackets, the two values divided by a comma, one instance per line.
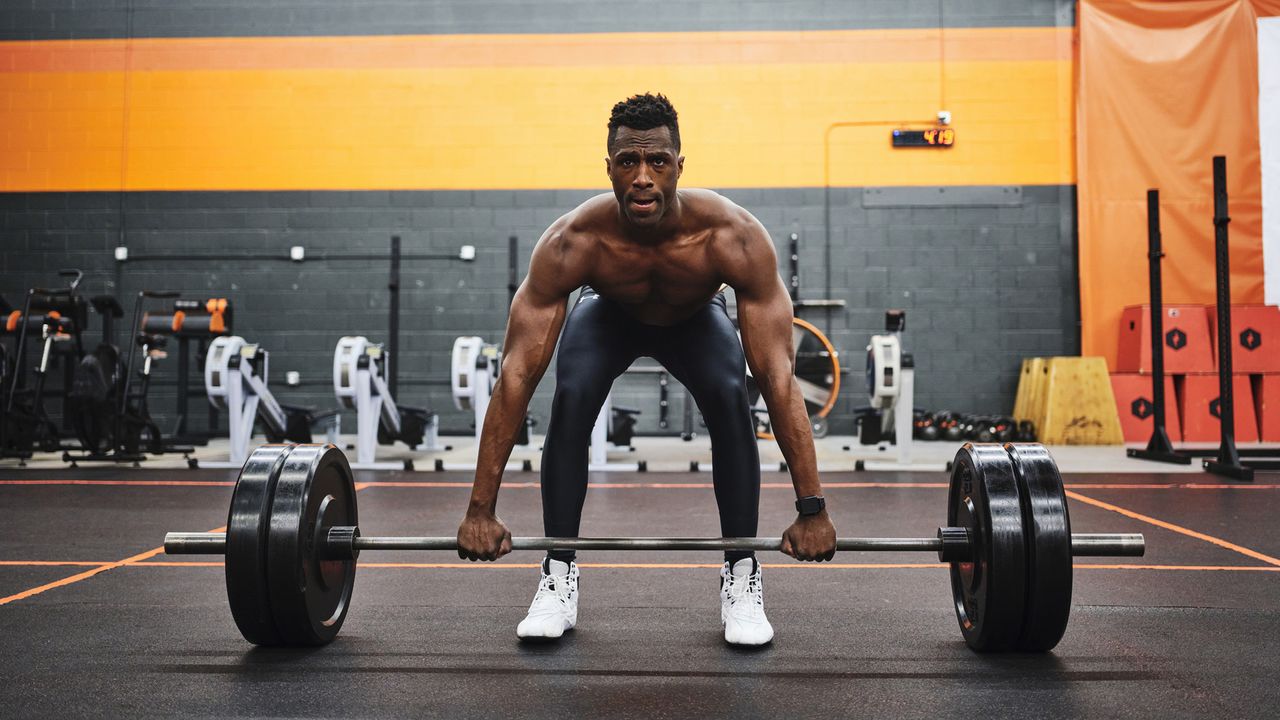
[891, 386]
[360, 383]
[235, 379]
[56, 317]
[474, 369]
[115, 422]
[198, 321]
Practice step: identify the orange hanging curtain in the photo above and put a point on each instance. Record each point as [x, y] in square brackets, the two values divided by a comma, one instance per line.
[1163, 87]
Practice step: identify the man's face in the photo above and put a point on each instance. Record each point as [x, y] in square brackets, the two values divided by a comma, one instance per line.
[644, 168]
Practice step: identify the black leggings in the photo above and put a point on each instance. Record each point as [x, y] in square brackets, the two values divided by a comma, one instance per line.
[600, 341]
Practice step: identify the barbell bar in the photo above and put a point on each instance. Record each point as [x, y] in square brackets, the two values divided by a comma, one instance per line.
[346, 542]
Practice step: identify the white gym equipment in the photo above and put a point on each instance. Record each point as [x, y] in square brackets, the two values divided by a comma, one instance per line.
[891, 385]
[474, 371]
[235, 380]
[360, 384]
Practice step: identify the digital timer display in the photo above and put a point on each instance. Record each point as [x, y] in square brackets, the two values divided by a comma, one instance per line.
[942, 137]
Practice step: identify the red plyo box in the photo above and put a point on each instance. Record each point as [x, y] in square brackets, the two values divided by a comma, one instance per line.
[1137, 408]
[1200, 408]
[1267, 401]
[1186, 340]
[1256, 329]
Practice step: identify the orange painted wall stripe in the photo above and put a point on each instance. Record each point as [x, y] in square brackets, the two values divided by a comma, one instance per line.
[1176, 528]
[528, 112]
[586, 49]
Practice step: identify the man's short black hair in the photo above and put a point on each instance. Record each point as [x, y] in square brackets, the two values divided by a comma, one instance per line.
[644, 112]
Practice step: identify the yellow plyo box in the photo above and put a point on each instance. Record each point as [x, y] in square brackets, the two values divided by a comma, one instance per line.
[1070, 401]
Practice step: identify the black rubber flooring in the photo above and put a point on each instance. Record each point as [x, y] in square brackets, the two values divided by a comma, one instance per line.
[1191, 630]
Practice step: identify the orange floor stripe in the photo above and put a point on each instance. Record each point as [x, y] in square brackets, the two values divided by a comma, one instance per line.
[81, 576]
[1176, 528]
[88, 573]
[49, 563]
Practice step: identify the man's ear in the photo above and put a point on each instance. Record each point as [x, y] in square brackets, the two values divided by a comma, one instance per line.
[679, 166]
[608, 167]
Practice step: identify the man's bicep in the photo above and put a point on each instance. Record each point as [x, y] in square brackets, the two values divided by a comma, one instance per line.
[764, 307]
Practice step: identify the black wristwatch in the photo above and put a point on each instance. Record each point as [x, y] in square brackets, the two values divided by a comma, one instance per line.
[811, 504]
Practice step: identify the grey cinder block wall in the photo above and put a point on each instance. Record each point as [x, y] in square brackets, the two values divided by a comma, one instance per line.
[987, 276]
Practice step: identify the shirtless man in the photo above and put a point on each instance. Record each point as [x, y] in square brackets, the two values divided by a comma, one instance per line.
[651, 262]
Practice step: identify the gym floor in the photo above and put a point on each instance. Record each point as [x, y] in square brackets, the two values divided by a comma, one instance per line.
[96, 621]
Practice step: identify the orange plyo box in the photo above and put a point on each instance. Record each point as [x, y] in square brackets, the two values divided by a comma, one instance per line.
[1186, 340]
[1256, 333]
[1200, 407]
[1137, 407]
[1267, 403]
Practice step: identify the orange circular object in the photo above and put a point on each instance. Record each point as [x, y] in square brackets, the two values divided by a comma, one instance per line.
[835, 372]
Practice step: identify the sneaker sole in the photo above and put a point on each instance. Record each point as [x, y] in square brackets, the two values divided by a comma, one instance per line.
[543, 639]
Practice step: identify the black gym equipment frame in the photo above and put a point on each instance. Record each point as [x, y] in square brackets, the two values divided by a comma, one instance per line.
[395, 257]
[1227, 462]
[1158, 449]
[131, 421]
[74, 316]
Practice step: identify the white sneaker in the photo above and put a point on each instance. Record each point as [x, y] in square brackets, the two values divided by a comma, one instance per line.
[742, 604]
[555, 607]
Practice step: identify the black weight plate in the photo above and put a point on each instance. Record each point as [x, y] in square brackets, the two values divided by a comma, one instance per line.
[247, 530]
[1048, 534]
[309, 594]
[990, 588]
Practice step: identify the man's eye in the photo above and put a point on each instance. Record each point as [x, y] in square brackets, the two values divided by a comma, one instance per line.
[659, 162]
[628, 163]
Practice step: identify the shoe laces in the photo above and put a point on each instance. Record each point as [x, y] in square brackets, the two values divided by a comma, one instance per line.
[552, 589]
[749, 588]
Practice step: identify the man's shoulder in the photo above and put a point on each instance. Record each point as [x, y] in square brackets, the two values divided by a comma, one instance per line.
[579, 222]
[716, 211]
[586, 219]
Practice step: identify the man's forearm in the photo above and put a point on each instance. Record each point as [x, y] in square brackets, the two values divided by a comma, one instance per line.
[790, 421]
[502, 424]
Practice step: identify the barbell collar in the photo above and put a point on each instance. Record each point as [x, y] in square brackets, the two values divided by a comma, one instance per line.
[955, 544]
[346, 543]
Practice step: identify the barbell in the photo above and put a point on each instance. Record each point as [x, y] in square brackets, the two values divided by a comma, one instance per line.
[293, 540]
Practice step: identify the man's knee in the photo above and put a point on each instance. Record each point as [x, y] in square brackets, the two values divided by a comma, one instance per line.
[577, 393]
[726, 390]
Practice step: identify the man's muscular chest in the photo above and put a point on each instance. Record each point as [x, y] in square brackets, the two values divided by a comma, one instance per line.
[658, 283]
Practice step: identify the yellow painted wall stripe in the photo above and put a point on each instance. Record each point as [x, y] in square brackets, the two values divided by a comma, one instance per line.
[528, 112]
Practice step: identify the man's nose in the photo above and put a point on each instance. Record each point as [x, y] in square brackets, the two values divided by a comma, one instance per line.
[643, 179]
